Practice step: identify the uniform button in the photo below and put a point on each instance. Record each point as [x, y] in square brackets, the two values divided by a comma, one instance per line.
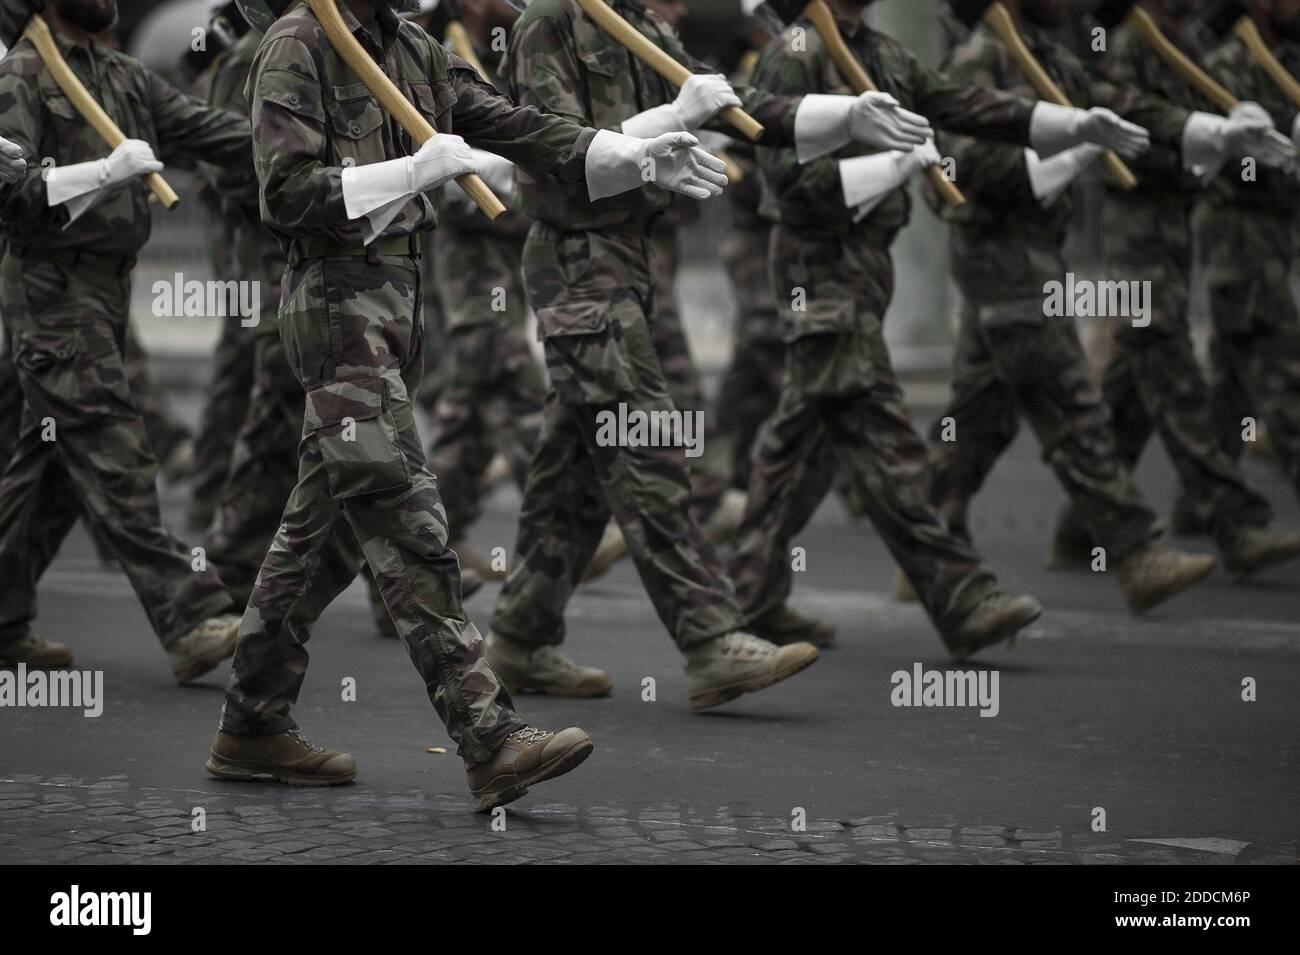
[356, 128]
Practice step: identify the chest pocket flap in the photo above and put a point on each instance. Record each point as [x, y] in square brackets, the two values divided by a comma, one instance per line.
[353, 112]
[296, 93]
[435, 101]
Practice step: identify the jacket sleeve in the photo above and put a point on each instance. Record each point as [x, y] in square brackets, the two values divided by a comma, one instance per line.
[21, 123]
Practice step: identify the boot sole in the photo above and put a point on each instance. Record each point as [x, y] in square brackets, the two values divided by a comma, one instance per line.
[196, 668]
[717, 695]
[1007, 631]
[254, 771]
[1169, 591]
[487, 799]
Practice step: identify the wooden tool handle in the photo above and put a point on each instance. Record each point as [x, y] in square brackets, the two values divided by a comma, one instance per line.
[857, 77]
[1202, 81]
[999, 20]
[38, 31]
[1249, 35]
[659, 61]
[391, 98]
[463, 46]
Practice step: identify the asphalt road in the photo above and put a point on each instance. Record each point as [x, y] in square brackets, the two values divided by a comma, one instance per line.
[1096, 711]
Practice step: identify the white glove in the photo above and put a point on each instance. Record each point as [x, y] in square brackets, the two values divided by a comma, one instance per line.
[1051, 177]
[1250, 132]
[701, 97]
[1054, 129]
[673, 161]
[867, 180]
[12, 164]
[497, 171]
[379, 190]
[824, 123]
[1295, 130]
[131, 158]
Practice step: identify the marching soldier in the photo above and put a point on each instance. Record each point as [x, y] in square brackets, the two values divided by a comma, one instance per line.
[832, 274]
[345, 189]
[72, 233]
[1012, 358]
[1246, 249]
[1152, 382]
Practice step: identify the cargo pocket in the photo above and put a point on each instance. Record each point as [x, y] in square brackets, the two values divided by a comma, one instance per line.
[586, 352]
[352, 422]
[829, 354]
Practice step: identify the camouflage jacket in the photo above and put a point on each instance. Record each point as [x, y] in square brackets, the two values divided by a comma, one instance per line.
[1001, 205]
[1129, 62]
[455, 213]
[312, 117]
[559, 60]
[1271, 190]
[810, 196]
[36, 114]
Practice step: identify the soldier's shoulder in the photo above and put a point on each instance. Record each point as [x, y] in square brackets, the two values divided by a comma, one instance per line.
[888, 46]
[980, 49]
[546, 10]
[298, 24]
[1231, 53]
[22, 61]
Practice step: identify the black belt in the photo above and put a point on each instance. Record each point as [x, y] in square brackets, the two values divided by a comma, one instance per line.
[323, 247]
[75, 258]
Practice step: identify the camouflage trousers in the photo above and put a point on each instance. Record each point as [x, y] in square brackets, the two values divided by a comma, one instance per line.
[593, 293]
[842, 404]
[751, 384]
[227, 406]
[709, 472]
[263, 469]
[352, 335]
[1152, 383]
[82, 447]
[494, 391]
[1011, 361]
[1255, 349]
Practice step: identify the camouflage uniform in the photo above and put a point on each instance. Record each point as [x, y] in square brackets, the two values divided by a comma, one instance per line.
[840, 400]
[1011, 358]
[588, 271]
[494, 389]
[65, 294]
[350, 324]
[232, 366]
[1152, 382]
[1246, 249]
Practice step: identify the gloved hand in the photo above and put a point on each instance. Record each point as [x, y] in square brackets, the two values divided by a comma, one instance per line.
[497, 171]
[1103, 128]
[442, 157]
[1054, 129]
[12, 164]
[702, 97]
[131, 158]
[676, 162]
[878, 120]
[1250, 132]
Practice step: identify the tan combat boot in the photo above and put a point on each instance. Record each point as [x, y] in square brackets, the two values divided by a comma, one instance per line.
[783, 626]
[724, 521]
[204, 647]
[997, 617]
[1154, 574]
[285, 757]
[1257, 548]
[35, 652]
[543, 670]
[723, 668]
[528, 756]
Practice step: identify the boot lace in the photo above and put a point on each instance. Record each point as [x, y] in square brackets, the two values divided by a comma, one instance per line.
[530, 734]
[304, 742]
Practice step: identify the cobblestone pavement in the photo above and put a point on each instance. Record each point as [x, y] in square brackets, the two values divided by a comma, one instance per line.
[65, 820]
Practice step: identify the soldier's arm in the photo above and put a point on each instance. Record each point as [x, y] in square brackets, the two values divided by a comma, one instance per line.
[958, 104]
[20, 123]
[785, 74]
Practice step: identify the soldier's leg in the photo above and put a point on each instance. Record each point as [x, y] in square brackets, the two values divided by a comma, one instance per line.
[169, 439]
[1270, 360]
[263, 470]
[976, 427]
[68, 330]
[226, 408]
[11, 398]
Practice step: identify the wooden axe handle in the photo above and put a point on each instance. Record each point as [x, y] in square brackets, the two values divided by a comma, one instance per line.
[1249, 35]
[1202, 81]
[391, 98]
[856, 74]
[659, 61]
[38, 31]
[463, 46]
[999, 20]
